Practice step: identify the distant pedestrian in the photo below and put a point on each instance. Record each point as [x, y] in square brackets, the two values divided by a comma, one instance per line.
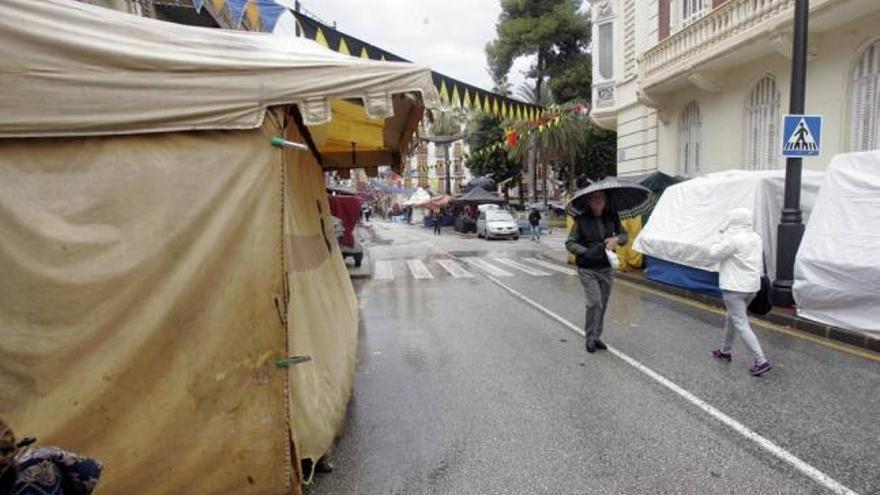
[595, 230]
[438, 223]
[535, 225]
[740, 252]
[368, 213]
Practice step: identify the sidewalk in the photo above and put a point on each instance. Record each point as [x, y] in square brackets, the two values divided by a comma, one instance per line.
[786, 317]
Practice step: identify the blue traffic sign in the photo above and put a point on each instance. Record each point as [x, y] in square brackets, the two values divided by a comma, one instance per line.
[802, 135]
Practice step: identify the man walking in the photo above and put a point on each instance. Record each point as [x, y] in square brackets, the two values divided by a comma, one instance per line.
[741, 255]
[595, 231]
[535, 225]
[438, 222]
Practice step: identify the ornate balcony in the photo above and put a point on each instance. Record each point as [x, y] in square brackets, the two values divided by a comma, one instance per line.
[722, 32]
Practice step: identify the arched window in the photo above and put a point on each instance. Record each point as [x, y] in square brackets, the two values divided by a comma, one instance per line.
[690, 135]
[864, 128]
[763, 126]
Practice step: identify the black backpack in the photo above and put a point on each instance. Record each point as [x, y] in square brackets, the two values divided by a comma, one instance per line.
[763, 301]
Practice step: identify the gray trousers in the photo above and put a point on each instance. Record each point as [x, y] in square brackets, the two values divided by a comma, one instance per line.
[737, 321]
[597, 289]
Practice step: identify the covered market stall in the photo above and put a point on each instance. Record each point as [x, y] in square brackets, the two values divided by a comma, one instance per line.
[685, 222]
[162, 261]
[837, 269]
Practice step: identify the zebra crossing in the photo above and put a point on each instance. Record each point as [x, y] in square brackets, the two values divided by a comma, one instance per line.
[466, 267]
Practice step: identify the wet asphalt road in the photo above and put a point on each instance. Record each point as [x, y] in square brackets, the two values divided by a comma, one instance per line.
[463, 389]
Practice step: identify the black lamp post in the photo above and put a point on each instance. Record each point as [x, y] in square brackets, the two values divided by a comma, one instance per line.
[791, 226]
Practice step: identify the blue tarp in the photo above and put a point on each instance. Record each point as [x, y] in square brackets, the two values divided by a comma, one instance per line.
[682, 276]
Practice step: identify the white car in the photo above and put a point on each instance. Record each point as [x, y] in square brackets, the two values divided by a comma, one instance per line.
[496, 223]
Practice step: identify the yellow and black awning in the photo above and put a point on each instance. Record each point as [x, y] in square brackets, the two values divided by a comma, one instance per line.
[451, 90]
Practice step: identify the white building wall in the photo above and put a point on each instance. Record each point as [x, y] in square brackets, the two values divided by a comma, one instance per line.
[724, 114]
[648, 138]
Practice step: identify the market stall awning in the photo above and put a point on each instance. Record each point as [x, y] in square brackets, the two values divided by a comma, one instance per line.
[165, 77]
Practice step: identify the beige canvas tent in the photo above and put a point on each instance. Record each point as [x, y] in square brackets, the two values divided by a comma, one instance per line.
[160, 259]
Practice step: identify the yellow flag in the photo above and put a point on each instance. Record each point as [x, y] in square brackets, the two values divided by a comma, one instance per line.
[319, 37]
[343, 47]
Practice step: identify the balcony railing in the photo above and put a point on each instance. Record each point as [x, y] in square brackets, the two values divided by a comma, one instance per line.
[689, 45]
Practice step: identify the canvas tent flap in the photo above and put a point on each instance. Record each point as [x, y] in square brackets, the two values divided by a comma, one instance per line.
[322, 311]
[137, 312]
[687, 218]
[837, 271]
[166, 77]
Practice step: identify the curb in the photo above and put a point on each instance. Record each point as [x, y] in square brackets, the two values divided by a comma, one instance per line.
[775, 316]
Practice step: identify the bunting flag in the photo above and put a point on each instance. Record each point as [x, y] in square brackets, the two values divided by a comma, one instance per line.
[320, 39]
[269, 14]
[456, 98]
[252, 12]
[444, 93]
[343, 47]
[198, 5]
[467, 98]
[236, 11]
[364, 53]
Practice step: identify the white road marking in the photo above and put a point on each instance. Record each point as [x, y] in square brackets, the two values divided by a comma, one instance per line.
[455, 269]
[552, 266]
[519, 266]
[418, 269]
[784, 455]
[487, 267]
[383, 271]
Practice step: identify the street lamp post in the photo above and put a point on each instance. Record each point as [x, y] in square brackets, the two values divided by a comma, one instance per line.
[791, 227]
[448, 177]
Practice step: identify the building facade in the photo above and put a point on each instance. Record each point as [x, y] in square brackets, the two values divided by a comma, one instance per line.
[697, 86]
[426, 167]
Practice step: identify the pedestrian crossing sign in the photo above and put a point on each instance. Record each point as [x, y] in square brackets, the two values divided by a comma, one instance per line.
[801, 135]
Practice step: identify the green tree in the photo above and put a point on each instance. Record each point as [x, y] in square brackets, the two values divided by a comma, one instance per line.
[567, 140]
[486, 158]
[448, 121]
[555, 32]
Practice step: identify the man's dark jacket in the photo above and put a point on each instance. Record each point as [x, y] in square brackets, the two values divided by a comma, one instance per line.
[586, 240]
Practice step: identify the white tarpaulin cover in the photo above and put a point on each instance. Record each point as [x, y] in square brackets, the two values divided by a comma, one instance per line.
[63, 60]
[420, 196]
[689, 215]
[837, 271]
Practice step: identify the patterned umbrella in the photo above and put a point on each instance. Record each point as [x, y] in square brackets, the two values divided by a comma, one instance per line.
[621, 196]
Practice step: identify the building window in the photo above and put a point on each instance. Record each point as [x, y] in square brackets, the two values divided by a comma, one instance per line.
[629, 38]
[864, 128]
[691, 10]
[763, 126]
[690, 128]
[606, 51]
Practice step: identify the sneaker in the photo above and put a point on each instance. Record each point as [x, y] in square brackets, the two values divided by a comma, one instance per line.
[591, 346]
[760, 369]
[601, 345]
[719, 354]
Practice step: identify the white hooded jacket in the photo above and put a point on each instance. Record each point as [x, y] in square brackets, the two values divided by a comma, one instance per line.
[740, 252]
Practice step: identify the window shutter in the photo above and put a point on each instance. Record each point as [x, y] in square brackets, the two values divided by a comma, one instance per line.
[864, 128]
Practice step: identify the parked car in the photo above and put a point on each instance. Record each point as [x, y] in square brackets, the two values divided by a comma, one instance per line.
[497, 223]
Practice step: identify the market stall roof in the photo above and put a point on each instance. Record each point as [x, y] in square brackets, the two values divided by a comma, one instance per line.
[64, 60]
[478, 195]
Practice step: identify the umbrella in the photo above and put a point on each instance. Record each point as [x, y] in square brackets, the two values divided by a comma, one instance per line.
[621, 195]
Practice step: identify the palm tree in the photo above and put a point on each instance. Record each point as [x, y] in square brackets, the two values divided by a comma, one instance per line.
[527, 93]
[559, 137]
[446, 127]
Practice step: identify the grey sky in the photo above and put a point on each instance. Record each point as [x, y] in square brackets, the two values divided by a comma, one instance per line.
[448, 36]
